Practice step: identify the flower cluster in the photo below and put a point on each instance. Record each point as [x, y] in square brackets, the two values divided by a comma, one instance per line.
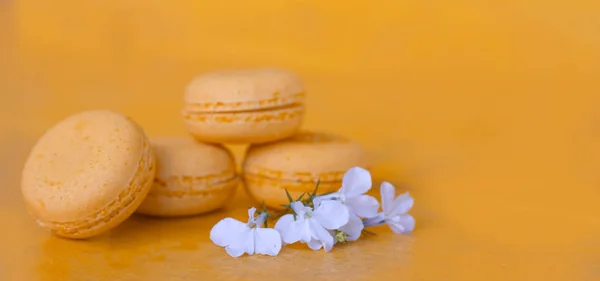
[320, 221]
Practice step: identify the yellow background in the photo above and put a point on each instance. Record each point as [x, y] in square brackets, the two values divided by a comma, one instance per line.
[487, 111]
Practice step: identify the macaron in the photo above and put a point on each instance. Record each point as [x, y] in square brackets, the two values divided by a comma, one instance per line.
[192, 178]
[244, 105]
[297, 163]
[88, 173]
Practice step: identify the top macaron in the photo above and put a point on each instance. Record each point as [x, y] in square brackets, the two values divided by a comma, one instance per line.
[244, 105]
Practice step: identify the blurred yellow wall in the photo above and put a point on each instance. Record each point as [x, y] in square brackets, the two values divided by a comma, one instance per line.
[456, 66]
[504, 94]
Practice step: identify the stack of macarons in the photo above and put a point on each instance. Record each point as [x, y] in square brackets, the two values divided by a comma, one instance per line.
[94, 169]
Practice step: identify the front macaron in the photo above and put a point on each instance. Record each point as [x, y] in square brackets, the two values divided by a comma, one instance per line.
[88, 173]
[244, 106]
[297, 163]
[192, 178]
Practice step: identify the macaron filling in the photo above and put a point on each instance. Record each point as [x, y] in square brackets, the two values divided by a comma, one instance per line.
[277, 101]
[292, 184]
[193, 186]
[259, 115]
[304, 177]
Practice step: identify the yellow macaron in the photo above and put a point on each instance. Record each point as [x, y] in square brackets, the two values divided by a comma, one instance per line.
[297, 163]
[88, 173]
[244, 105]
[191, 178]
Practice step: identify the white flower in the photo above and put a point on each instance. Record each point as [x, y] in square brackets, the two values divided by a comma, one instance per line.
[239, 238]
[311, 226]
[355, 183]
[353, 228]
[394, 210]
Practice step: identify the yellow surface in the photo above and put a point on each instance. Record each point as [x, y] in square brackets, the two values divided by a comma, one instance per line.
[487, 111]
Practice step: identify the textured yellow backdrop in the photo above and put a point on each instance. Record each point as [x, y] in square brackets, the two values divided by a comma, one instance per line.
[487, 111]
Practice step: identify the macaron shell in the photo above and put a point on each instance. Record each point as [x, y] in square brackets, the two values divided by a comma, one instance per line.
[175, 199]
[306, 157]
[187, 158]
[119, 210]
[192, 178]
[272, 191]
[243, 90]
[245, 127]
[85, 174]
[297, 163]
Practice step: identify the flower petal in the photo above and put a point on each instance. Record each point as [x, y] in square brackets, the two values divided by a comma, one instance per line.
[364, 206]
[330, 196]
[243, 243]
[401, 204]
[234, 251]
[387, 191]
[249, 241]
[356, 181]
[321, 234]
[317, 201]
[289, 229]
[282, 225]
[267, 241]
[331, 214]
[251, 212]
[379, 219]
[226, 230]
[401, 223]
[315, 244]
[299, 208]
[259, 220]
[353, 228]
[306, 230]
[283, 222]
